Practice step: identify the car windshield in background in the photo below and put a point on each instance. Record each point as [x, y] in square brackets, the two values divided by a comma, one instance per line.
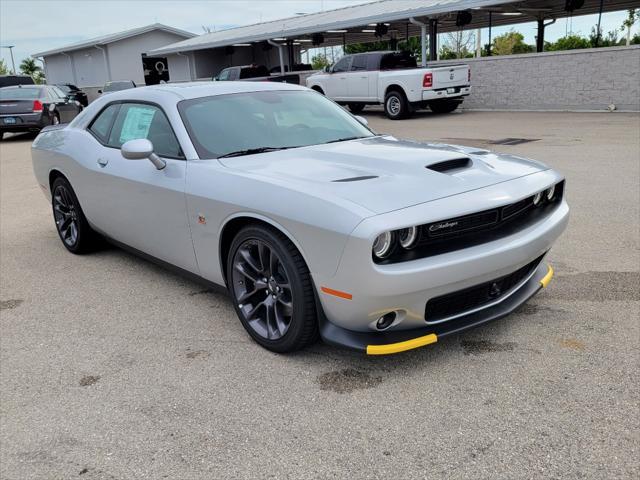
[117, 86]
[65, 88]
[22, 93]
[254, 122]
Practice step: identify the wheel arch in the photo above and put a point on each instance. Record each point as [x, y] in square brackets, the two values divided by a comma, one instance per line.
[233, 224]
[55, 173]
[394, 87]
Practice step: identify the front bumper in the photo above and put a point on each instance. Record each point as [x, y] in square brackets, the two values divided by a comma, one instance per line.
[373, 290]
[386, 343]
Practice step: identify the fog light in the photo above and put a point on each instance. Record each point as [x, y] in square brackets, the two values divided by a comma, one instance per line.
[551, 192]
[386, 320]
[537, 199]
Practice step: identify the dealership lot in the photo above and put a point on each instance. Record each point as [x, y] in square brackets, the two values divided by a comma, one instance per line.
[112, 367]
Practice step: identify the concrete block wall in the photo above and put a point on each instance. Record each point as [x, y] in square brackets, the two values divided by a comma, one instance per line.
[590, 79]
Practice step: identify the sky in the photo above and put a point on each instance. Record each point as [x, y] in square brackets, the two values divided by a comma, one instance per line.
[38, 25]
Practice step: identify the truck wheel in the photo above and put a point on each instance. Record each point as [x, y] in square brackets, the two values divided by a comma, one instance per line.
[443, 106]
[396, 106]
[356, 107]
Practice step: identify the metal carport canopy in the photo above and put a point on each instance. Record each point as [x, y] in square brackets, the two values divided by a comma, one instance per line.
[339, 19]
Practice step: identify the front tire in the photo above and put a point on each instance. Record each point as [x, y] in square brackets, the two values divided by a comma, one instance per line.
[271, 289]
[443, 106]
[396, 106]
[71, 224]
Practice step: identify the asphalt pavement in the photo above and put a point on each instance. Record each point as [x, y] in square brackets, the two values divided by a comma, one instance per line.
[114, 368]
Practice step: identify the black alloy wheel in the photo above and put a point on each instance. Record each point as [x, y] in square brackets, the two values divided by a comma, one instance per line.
[271, 289]
[72, 226]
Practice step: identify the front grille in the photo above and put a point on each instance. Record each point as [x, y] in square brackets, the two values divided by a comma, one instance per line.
[457, 233]
[455, 303]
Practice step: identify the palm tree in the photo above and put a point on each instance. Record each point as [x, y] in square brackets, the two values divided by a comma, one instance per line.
[29, 67]
[629, 22]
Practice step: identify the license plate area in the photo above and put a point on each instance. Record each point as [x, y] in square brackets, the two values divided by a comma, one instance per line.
[452, 90]
[9, 120]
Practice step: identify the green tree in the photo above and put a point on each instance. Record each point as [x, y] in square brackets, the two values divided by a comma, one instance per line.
[3, 68]
[629, 22]
[30, 67]
[570, 42]
[320, 61]
[510, 43]
[366, 47]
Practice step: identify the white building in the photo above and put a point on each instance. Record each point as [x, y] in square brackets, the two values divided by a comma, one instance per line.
[120, 56]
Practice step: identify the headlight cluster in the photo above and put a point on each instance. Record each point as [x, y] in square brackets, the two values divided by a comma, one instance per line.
[548, 194]
[386, 243]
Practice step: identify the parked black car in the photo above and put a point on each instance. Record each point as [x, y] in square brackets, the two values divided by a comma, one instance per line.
[117, 85]
[254, 73]
[30, 108]
[74, 93]
[10, 80]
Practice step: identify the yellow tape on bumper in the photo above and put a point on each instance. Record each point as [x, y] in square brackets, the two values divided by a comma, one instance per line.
[401, 346]
[547, 278]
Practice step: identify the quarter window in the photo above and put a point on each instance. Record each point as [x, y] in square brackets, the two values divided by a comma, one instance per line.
[136, 120]
[102, 123]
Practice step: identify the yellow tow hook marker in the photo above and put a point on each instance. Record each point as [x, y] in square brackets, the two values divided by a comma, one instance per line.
[401, 346]
[547, 278]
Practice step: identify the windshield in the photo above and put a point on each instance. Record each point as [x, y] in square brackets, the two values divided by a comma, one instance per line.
[116, 86]
[20, 93]
[267, 120]
[64, 88]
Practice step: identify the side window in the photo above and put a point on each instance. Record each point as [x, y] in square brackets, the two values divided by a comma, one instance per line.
[224, 75]
[373, 62]
[359, 63]
[342, 65]
[145, 121]
[58, 93]
[233, 73]
[102, 123]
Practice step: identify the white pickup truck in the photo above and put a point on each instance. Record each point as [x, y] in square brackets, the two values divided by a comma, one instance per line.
[394, 80]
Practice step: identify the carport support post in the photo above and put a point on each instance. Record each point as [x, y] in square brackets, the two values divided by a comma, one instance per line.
[540, 38]
[423, 38]
[275, 44]
[433, 39]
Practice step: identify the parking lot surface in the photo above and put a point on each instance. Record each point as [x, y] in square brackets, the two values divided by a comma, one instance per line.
[113, 368]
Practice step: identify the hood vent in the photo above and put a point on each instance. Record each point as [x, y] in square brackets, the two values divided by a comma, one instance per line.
[356, 179]
[447, 165]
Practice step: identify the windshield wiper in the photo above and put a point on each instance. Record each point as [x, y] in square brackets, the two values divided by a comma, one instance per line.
[344, 139]
[251, 151]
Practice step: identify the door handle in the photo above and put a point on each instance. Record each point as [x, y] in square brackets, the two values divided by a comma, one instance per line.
[103, 162]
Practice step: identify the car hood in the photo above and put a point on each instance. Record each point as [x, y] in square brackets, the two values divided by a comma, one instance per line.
[382, 173]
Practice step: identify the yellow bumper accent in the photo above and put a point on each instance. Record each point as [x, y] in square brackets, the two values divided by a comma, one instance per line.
[547, 278]
[402, 346]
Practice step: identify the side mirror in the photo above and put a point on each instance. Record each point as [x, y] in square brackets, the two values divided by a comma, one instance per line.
[100, 91]
[327, 69]
[142, 149]
[362, 120]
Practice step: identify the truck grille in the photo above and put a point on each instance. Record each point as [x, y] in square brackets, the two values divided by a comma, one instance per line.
[472, 298]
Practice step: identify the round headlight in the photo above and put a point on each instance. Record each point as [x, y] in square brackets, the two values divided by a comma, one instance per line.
[551, 192]
[537, 199]
[383, 245]
[408, 237]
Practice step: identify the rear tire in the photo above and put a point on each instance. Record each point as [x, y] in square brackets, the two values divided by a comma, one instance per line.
[71, 224]
[396, 106]
[443, 106]
[271, 289]
[356, 108]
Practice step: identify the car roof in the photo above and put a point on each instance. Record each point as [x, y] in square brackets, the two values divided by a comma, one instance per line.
[189, 90]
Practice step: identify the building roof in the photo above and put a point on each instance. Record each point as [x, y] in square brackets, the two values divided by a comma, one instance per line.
[394, 12]
[114, 37]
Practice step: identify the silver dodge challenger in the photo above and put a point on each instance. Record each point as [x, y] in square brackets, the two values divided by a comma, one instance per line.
[313, 223]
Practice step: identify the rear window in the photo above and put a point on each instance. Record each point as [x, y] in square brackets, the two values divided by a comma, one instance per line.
[20, 93]
[253, 72]
[395, 61]
[116, 86]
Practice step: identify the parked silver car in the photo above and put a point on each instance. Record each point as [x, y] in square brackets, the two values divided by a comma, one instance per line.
[314, 224]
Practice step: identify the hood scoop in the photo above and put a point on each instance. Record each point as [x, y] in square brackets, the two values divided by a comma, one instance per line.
[448, 165]
[356, 179]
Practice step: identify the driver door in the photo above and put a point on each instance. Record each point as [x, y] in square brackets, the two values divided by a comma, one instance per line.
[337, 81]
[133, 202]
